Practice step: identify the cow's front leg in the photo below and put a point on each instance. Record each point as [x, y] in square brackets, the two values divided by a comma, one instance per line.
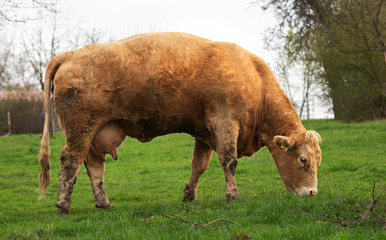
[95, 170]
[202, 154]
[225, 132]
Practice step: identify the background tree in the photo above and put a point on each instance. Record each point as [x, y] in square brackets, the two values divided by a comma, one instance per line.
[341, 44]
[40, 46]
[12, 11]
[5, 56]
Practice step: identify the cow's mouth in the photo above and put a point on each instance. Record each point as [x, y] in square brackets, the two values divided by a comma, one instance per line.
[305, 191]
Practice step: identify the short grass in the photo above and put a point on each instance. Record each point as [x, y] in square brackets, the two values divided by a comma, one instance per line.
[146, 184]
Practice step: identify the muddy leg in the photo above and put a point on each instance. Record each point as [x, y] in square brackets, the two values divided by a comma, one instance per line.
[95, 170]
[202, 154]
[229, 163]
[70, 163]
[71, 158]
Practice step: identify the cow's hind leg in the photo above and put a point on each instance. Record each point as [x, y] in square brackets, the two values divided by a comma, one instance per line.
[71, 159]
[95, 170]
[70, 163]
[202, 154]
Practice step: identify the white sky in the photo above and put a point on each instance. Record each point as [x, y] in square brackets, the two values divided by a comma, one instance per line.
[224, 20]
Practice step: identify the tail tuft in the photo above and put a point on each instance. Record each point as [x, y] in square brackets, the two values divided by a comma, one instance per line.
[44, 159]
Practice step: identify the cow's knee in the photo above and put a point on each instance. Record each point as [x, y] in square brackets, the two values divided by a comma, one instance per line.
[229, 166]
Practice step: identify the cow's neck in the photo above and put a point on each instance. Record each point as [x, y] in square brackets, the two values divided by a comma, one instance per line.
[279, 117]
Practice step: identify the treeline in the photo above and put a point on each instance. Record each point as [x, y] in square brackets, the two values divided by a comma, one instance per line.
[342, 46]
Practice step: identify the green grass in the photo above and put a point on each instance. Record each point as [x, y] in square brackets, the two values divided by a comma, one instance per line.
[149, 178]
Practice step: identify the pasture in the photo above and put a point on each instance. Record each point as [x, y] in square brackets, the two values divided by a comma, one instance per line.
[145, 186]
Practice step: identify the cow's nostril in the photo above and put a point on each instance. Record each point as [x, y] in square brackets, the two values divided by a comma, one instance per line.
[312, 193]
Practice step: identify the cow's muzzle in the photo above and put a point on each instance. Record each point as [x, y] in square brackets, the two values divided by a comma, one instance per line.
[307, 192]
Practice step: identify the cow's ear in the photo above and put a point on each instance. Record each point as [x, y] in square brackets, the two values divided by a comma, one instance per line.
[283, 142]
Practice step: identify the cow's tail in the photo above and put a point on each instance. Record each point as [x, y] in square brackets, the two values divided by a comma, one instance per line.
[44, 154]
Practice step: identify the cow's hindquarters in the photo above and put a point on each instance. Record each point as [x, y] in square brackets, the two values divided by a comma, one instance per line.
[80, 123]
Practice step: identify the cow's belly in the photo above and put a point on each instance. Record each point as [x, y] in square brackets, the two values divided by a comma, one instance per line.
[146, 126]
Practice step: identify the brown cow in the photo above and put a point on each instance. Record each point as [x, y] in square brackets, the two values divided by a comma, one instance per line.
[159, 83]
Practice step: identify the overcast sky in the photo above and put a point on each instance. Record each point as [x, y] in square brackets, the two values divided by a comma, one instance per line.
[235, 21]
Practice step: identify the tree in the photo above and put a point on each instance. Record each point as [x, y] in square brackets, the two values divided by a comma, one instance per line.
[40, 46]
[341, 44]
[23, 10]
[5, 56]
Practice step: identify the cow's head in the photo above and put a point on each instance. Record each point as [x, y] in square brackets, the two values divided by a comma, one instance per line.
[297, 159]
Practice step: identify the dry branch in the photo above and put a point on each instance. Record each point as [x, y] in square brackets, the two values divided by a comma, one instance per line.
[192, 224]
[361, 214]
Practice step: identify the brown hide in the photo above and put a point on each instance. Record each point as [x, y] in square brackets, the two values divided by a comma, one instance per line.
[155, 84]
[159, 83]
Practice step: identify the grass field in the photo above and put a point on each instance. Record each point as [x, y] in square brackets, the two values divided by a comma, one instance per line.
[145, 187]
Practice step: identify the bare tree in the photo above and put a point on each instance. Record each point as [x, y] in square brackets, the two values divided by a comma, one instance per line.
[43, 43]
[36, 55]
[94, 37]
[40, 46]
[307, 81]
[5, 56]
[283, 65]
[23, 10]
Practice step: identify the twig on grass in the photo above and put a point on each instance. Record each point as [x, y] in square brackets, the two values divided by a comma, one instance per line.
[327, 219]
[334, 220]
[361, 215]
[372, 205]
[171, 216]
[192, 224]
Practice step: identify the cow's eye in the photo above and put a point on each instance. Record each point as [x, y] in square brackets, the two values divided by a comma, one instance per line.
[304, 163]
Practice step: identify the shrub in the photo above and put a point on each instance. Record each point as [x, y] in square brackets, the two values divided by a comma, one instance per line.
[26, 109]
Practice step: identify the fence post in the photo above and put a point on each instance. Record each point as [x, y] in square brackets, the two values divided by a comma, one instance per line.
[9, 122]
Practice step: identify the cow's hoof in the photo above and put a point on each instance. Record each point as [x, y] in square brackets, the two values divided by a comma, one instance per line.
[103, 206]
[231, 197]
[189, 195]
[62, 208]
